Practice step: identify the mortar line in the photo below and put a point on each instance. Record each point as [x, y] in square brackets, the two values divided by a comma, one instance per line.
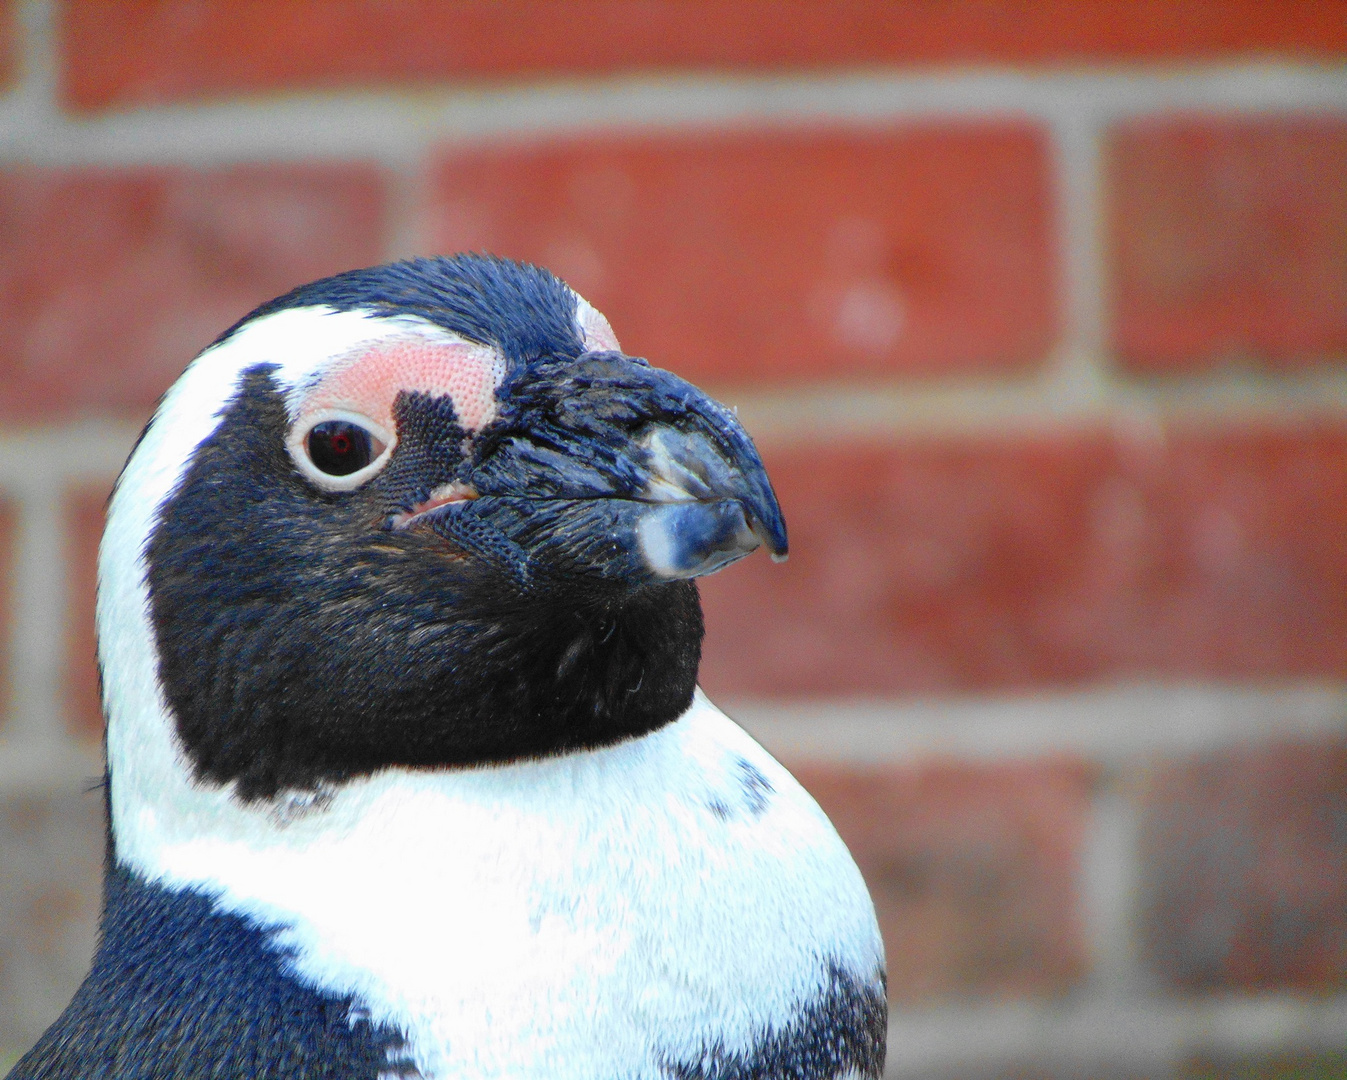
[37, 471]
[838, 412]
[32, 103]
[1077, 372]
[845, 413]
[813, 413]
[1108, 892]
[392, 124]
[1116, 726]
[408, 202]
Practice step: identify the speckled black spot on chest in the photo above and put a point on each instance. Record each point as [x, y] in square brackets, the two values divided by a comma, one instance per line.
[754, 792]
[840, 1033]
[302, 642]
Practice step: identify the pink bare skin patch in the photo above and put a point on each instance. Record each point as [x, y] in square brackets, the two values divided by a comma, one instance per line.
[368, 382]
[595, 330]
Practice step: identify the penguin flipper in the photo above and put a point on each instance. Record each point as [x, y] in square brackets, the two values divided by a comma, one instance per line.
[179, 991]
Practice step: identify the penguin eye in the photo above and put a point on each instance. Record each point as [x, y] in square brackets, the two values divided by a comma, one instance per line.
[339, 452]
[339, 448]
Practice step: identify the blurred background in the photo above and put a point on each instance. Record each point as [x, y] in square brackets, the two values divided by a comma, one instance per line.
[1039, 314]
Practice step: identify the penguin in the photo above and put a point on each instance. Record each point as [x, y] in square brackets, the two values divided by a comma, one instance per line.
[408, 771]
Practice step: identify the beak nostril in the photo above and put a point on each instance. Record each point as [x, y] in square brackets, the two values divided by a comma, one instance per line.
[681, 466]
[717, 502]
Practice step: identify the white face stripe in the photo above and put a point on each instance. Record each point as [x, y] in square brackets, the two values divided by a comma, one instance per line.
[152, 777]
[595, 331]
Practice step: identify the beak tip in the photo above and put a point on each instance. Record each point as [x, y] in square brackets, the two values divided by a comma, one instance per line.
[770, 530]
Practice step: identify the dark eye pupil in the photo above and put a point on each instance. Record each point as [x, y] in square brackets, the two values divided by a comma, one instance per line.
[340, 448]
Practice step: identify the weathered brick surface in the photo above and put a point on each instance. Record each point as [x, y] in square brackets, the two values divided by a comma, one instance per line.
[51, 852]
[1244, 869]
[84, 516]
[129, 51]
[970, 564]
[772, 258]
[1229, 242]
[111, 280]
[775, 257]
[974, 872]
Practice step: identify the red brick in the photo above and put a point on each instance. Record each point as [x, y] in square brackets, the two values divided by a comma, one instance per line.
[1060, 558]
[110, 281]
[120, 52]
[84, 516]
[974, 871]
[748, 255]
[1244, 869]
[1229, 242]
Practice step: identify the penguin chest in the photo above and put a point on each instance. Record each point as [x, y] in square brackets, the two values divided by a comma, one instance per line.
[622, 912]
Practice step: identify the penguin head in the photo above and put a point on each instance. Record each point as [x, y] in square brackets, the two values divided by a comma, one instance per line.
[421, 516]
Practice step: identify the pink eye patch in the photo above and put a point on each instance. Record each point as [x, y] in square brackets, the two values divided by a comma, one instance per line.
[368, 382]
[594, 328]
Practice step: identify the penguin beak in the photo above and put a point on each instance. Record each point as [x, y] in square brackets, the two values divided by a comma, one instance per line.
[607, 467]
[706, 508]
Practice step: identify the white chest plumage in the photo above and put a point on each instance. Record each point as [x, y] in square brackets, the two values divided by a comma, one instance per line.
[595, 914]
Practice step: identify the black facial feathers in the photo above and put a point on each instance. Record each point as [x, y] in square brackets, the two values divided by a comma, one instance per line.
[306, 637]
[301, 641]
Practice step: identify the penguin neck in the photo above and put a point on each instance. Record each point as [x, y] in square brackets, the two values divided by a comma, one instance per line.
[578, 670]
[169, 828]
[260, 702]
[598, 671]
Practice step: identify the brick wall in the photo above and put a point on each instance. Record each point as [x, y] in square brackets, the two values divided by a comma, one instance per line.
[1039, 313]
